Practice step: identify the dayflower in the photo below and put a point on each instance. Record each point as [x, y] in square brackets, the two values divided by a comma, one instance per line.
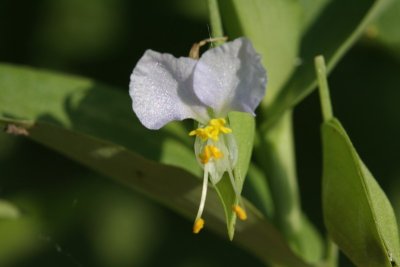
[226, 78]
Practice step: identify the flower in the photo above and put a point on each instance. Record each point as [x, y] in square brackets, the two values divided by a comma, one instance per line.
[226, 78]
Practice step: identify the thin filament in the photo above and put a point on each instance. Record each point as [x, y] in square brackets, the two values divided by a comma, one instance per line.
[203, 192]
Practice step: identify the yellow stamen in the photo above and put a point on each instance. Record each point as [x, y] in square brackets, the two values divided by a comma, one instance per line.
[198, 225]
[203, 133]
[219, 125]
[240, 212]
[212, 130]
[209, 152]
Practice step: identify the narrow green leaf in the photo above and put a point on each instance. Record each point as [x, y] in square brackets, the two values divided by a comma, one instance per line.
[357, 213]
[338, 26]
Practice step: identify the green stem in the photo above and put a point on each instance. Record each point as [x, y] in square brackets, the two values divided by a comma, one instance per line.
[325, 99]
[275, 153]
[215, 20]
[331, 254]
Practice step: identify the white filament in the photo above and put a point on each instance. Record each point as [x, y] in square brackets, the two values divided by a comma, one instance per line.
[203, 192]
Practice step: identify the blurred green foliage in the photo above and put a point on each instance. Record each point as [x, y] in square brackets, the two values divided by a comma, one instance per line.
[83, 219]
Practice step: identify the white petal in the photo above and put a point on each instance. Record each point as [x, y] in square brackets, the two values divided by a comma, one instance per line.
[230, 77]
[161, 89]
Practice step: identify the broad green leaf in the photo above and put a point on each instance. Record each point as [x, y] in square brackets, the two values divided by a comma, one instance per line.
[335, 30]
[274, 28]
[357, 213]
[94, 125]
[311, 9]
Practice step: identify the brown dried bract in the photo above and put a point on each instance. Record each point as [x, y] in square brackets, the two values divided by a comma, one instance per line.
[195, 50]
[16, 130]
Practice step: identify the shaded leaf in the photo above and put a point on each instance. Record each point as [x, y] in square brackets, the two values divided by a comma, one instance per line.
[335, 30]
[357, 213]
[384, 30]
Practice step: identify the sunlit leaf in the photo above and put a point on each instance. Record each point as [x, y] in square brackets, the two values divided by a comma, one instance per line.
[357, 213]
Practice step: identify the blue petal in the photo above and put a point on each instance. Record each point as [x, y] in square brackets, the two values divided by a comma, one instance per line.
[230, 77]
[161, 89]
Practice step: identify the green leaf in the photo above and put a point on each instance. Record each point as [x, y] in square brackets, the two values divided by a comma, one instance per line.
[274, 28]
[384, 30]
[311, 10]
[357, 213]
[94, 125]
[338, 26]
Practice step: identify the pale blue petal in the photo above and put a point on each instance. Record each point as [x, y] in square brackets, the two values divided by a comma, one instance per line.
[161, 89]
[230, 77]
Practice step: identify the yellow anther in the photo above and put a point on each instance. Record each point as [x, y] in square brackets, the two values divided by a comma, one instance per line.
[240, 212]
[198, 225]
[203, 133]
[209, 152]
[212, 130]
[219, 125]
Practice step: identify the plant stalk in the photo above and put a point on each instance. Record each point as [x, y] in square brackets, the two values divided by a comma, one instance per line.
[320, 67]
